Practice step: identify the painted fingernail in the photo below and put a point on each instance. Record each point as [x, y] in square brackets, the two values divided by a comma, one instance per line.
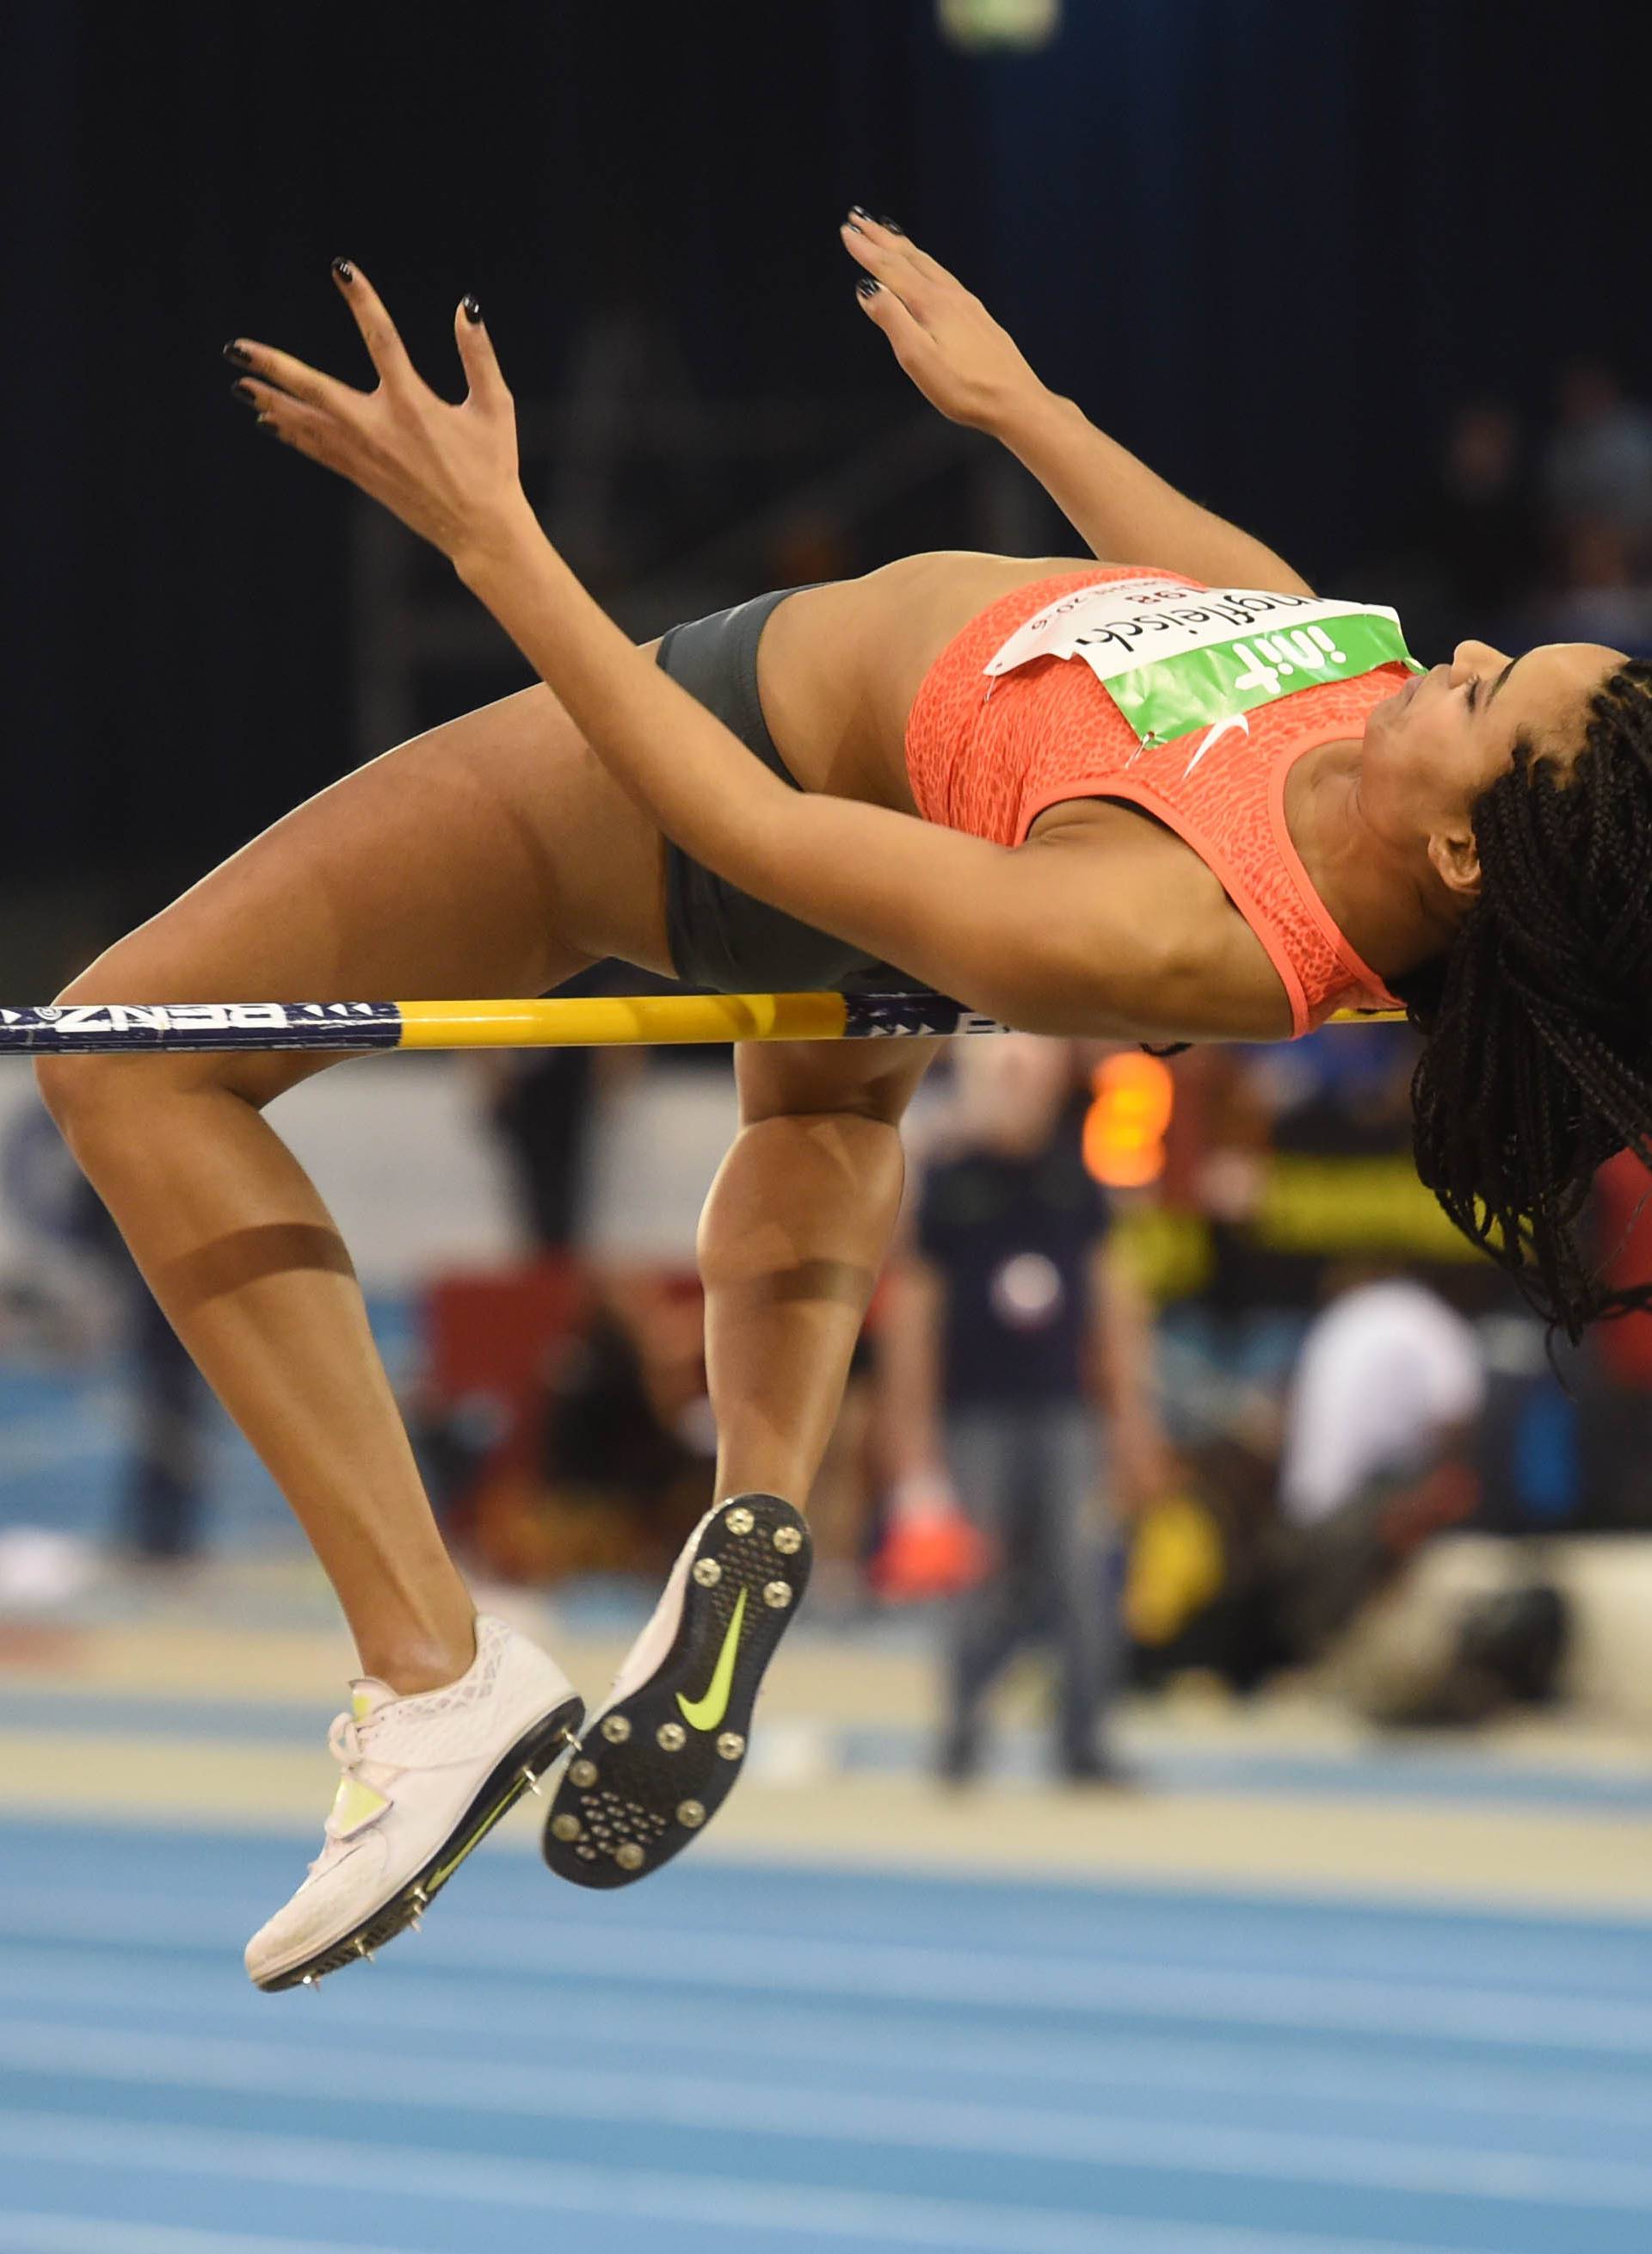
[868, 285]
[892, 224]
[851, 228]
[237, 355]
[243, 391]
[471, 310]
[344, 271]
[858, 211]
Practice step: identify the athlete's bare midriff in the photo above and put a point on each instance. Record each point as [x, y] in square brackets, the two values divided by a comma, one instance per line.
[839, 665]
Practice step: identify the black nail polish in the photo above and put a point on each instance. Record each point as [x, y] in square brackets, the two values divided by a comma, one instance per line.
[851, 228]
[868, 285]
[471, 310]
[236, 353]
[858, 211]
[892, 224]
[243, 391]
[344, 270]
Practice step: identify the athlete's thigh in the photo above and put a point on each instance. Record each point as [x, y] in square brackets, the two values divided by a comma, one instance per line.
[494, 855]
[874, 1079]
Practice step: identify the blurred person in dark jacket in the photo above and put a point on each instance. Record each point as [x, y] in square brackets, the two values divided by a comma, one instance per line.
[1015, 1358]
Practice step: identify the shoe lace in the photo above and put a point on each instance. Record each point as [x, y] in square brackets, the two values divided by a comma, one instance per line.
[344, 1741]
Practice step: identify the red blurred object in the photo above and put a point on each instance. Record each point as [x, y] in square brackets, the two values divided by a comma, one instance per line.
[1623, 1190]
[493, 1335]
[937, 1554]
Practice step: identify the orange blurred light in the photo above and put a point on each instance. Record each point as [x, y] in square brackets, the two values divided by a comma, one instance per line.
[1134, 1096]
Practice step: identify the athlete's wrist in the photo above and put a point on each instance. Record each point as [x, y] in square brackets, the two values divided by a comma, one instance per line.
[1034, 420]
[496, 543]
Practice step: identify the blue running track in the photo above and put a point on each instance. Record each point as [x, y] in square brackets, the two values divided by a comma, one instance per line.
[745, 2059]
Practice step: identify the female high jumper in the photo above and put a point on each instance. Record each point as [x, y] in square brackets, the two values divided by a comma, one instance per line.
[1087, 797]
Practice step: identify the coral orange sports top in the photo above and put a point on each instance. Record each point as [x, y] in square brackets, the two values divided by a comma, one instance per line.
[987, 753]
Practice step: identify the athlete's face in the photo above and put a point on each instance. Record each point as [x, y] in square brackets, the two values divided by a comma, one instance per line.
[1437, 744]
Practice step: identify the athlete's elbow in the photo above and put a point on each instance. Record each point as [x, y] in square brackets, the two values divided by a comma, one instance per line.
[1073, 986]
[1050, 993]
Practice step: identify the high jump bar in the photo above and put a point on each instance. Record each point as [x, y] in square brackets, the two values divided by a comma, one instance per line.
[597, 1021]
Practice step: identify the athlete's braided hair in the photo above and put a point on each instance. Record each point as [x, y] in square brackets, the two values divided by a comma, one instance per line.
[1538, 1061]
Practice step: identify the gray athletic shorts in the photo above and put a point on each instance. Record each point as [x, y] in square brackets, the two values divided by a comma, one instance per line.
[720, 936]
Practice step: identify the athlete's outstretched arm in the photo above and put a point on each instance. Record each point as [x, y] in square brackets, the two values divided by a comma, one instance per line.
[1051, 936]
[970, 368]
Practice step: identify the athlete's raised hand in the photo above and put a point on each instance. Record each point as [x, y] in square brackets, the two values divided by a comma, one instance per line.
[948, 342]
[449, 472]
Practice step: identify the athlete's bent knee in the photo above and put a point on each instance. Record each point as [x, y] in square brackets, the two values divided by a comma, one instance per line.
[807, 1079]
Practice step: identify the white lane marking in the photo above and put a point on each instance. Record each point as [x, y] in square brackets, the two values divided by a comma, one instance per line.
[724, 2202]
[810, 2035]
[90, 2234]
[881, 1971]
[756, 2108]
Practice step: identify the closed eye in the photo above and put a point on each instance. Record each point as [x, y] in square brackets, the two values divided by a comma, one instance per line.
[1473, 691]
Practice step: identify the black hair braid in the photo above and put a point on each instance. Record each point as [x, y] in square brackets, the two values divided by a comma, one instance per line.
[1537, 1066]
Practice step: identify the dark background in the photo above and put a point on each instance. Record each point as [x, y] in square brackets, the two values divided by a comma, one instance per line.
[1268, 245]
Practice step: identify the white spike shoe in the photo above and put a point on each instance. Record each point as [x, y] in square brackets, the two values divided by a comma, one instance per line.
[425, 1778]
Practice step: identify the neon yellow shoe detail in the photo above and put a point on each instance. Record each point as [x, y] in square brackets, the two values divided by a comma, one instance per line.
[355, 1805]
[705, 1713]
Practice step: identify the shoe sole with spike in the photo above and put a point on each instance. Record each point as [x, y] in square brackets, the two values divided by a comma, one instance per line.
[517, 1771]
[653, 1767]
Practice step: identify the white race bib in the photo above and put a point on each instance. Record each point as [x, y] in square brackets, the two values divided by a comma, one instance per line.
[1174, 658]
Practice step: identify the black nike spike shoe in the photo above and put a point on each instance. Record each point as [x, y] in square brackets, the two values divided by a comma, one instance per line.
[659, 1757]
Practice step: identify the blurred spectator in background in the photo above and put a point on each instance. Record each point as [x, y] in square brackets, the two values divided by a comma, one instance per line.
[1479, 538]
[1617, 1392]
[1016, 1361]
[1387, 1392]
[543, 1104]
[1600, 593]
[540, 1104]
[1599, 461]
[161, 1494]
[1597, 482]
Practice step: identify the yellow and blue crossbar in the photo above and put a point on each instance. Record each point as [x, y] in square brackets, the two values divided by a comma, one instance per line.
[601, 1021]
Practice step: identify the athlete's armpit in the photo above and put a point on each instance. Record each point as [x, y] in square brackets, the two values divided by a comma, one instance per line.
[1136, 941]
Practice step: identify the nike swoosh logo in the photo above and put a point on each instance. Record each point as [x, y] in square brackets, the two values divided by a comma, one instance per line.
[705, 1713]
[1214, 735]
[440, 1878]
